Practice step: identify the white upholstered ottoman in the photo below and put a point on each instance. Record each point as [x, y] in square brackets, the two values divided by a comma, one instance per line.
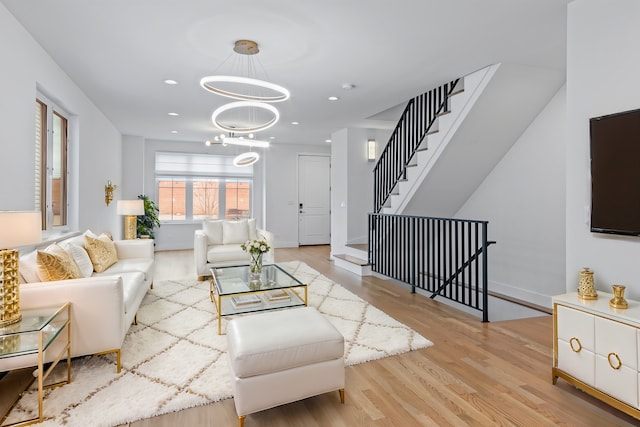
[279, 357]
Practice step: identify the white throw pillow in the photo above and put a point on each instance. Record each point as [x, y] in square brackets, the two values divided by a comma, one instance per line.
[28, 268]
[235, 232]
[253, 234]
[213, 230]
[81, 257]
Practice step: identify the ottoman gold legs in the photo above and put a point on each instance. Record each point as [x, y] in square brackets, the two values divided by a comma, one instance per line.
[241, 418]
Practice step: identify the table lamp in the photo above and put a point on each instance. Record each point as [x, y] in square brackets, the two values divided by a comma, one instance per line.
[130, 209]
[16, 229]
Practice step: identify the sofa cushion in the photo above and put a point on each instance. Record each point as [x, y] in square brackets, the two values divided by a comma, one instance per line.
[54, 263]
[102, 252]
[131, 287]
[235, 232]
[279, 340]
[81, 257]
[213, 230]
[224, 253]
[128, 265]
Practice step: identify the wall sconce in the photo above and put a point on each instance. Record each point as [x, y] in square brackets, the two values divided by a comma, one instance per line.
[130, 209]
[108, 192]
[371, 149]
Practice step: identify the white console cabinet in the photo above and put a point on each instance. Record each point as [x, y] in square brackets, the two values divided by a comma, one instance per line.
[596, 347]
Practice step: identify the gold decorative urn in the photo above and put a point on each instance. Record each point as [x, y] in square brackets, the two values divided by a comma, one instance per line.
[586, 287]
[618, 300]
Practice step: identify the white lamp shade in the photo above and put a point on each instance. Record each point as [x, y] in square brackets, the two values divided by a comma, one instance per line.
[130, 207]
[20, 228]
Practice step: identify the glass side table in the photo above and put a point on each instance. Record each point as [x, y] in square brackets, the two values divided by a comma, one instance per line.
[39, 330]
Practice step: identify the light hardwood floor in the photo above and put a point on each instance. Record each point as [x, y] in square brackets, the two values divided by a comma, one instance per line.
[493, 374]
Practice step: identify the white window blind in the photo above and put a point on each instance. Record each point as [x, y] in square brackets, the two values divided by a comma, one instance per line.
[38, 159]
[188, 164]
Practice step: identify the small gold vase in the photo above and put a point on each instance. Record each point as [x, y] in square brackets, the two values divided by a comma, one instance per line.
[586, 287]
[618, 300]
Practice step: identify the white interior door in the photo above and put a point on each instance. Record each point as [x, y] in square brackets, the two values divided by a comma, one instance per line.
[314, 198]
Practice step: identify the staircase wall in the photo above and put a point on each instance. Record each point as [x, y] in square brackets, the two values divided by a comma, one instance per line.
[523, 198]
[469, 146]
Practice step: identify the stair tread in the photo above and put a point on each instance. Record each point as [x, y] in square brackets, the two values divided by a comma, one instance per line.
[361, 246]
[352, 259]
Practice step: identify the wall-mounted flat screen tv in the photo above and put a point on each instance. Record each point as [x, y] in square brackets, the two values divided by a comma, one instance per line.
[615, 173]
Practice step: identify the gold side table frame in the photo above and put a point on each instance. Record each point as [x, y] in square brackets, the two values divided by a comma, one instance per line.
[43, 343]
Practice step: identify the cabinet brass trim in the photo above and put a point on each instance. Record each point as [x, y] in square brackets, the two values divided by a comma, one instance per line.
[611, 364]
[576, 340]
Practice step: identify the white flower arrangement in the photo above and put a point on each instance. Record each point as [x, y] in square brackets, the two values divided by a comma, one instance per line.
[255, 247]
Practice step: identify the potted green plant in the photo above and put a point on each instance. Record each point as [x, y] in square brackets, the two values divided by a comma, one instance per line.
[147, 222]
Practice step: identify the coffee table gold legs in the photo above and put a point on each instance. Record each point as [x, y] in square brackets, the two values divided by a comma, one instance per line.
[341, 391]
[241, 420]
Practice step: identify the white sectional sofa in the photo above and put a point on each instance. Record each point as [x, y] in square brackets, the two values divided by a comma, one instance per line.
[103, 305]
[218, 244]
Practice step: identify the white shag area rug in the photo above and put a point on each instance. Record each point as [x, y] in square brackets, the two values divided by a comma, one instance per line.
[174, 359]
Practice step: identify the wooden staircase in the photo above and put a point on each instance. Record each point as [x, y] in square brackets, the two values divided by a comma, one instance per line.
[355, 259]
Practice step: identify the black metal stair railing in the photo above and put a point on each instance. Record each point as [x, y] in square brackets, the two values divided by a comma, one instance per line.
[443, 256]
[414, 125]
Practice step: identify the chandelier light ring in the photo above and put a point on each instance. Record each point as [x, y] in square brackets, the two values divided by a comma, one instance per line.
[246, 159]
[209, 83]
[245, 104]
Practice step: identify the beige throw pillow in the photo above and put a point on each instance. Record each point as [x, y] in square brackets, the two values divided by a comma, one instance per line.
[102, 252]
[54, 263]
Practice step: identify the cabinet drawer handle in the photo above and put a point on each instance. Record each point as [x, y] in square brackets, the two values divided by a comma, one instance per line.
[575, 344]
[617, 358]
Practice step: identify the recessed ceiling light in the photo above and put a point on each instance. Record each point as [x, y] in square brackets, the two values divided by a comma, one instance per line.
[272, 137]
[295, 123]
[327, 140]
[333, 98]
[173, 114]
[174, 131]
[348, 86]
[170, 82]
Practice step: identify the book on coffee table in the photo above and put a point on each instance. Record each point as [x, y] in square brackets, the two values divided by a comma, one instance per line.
[278, 295]
[246, 300]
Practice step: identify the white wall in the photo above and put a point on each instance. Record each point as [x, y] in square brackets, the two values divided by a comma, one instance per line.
[602, 78]
[360, 181]
[95, 144]
[339, 189]
[281, 189]
[523, 198]
[352, 188]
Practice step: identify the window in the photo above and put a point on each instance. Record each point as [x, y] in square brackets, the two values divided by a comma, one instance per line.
[197, 186]
[51, 172]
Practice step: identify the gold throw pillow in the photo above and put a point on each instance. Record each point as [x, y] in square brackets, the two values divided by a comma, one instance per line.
[54, 263]
[102, 252]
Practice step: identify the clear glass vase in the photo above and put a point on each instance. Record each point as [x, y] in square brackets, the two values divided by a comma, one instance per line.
[255, 269]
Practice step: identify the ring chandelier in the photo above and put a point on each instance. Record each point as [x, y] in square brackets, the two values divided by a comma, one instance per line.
[207, 83]
[246, 142]
[246, 159]
[245, 104]
[257, 96]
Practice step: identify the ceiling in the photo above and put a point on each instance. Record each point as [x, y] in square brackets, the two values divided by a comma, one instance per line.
[119, 52]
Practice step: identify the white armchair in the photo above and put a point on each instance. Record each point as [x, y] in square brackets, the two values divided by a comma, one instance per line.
[218, 244]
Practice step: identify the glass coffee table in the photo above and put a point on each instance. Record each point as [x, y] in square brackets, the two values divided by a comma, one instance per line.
[233, 290]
